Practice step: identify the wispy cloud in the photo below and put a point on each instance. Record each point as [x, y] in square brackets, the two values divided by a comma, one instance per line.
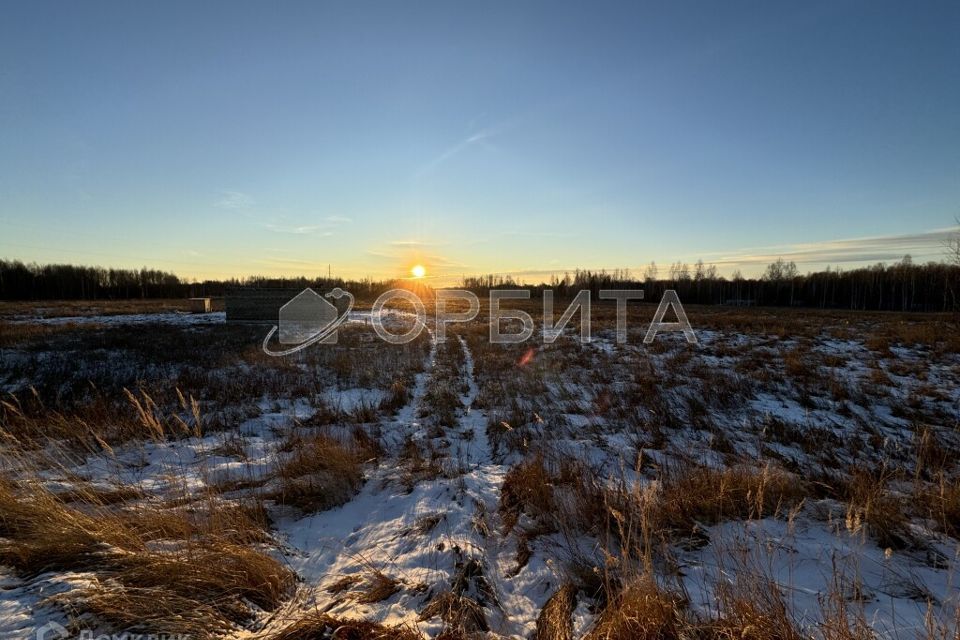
[481, 137]
[408, 244]
[234, 200]
[395, 254]
[324, 228]
[300, 230]
[924, 245]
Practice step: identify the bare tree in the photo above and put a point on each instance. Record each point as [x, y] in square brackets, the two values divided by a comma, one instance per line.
[951, 246]
[651, 272]
[951, 249]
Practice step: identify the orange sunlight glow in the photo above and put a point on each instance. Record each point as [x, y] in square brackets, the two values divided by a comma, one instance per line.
[418, 271]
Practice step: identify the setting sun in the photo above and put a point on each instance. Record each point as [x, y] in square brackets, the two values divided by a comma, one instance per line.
[418, 271]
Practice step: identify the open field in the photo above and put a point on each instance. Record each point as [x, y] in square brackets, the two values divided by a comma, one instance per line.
[24, 310]
[794, 475]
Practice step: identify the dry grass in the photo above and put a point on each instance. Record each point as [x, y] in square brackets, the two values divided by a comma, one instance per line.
[420, 461]
[636, 524]
[319, 626]
[555, 621]
[874, 509]
[461, 615]
[378, 588]
[100, 496]
[751, 606]
[319, 472]
[100, 422]
[198, 590]
[842, 619]
[692, 494]
[796, 365]
[150, 560]
[634, 519]
[343, 584]
[426, 523]
[398, 396]
[940, 501]
[28, 335]
[441, 402]
[527, 488]
[70, 308]
[641, 611]
[159, 570]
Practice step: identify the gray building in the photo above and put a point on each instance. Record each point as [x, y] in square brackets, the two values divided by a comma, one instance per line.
[255, 305]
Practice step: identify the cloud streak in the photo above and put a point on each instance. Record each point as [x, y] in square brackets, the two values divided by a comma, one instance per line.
[928, 244]
[325, 228]
[300, 230]
[481, 137]
[412, 244]
[923, 246]
[234, 201]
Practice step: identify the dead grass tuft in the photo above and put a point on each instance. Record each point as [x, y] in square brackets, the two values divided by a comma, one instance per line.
[641, 611]
[343, 584]
[461, 615]
[528, 487]
[752, 607]
[379, 588]
[319, 473]
[873, 508]
[693, 494]
[318, 626]
[196, 589]
[195, 584]
[555, 621]
[941, 502]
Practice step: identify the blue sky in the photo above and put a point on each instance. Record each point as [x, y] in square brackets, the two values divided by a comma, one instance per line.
[233, 138]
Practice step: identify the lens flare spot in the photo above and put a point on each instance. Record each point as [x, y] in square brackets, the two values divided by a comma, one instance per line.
[526, 358]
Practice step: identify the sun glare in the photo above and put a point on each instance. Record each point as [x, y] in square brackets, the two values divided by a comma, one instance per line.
[418, 271]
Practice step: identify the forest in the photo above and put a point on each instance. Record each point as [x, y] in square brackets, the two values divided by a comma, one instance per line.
[901, 286]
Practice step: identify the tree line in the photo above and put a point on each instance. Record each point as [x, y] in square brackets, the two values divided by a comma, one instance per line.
[902, 286]
[20, 281]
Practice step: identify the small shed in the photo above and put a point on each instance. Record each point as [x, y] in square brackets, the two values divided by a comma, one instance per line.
[200, 305]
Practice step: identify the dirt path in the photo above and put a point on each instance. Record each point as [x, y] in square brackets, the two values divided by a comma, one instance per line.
[433, 536]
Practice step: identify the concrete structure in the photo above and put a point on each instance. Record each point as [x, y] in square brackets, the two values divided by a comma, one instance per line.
[200, 305]
[256, 305]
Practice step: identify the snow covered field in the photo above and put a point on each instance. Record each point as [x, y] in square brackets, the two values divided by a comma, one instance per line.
[791, 473]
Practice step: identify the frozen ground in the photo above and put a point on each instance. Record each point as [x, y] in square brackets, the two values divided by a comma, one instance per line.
[429, 520]
[173, 318]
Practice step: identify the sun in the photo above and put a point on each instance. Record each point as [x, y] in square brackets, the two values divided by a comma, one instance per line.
[418, 271]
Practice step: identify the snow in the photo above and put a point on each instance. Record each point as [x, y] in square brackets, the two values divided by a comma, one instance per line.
[800, 556]
[172, 318]
[374, 532]
[348, 400]
[382, 528]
